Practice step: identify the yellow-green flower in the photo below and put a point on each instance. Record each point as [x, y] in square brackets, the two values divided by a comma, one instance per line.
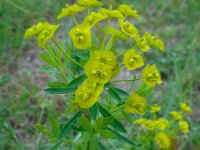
[44, 30]
[46, 34]
[128, 28]
[149, 124]
[105, 57]
[185, 107]
[81, 36]
[132, 60]
[176, 115]
[128, 11]
[70, 11]
[136, 104]
[155, 108]
[142, 44]
[184, 126]
[139, 121]
[34, 30]
[93, 18]
[88, 93]
[154, 41]
[115, 32]
[111, 13]
[161, 124]
[151, 76]
[98, 72]
[162, 140]
[89, 3]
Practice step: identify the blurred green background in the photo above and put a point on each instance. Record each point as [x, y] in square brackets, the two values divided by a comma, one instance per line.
[22, 101]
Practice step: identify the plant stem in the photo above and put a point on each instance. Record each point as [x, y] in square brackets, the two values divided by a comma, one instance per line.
[98, 32]
[129, 80]
[66, 55]
[105, 35]
[74, 20]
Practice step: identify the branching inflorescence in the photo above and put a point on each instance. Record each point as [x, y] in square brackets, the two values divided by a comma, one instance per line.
[103, 63]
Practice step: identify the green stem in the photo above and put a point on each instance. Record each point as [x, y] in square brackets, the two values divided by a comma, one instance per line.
[74, 20]
[105, 35]
[129, 80]
[66, 55]
[64, 67]
[121, 68]
[98, 32]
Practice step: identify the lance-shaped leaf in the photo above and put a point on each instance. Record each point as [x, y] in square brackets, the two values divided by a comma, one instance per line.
[76, 82]
[125, 139]
[93, 111]
[114, 94]
[71, 87]
[67, 127]
[59, 90]
[115, 124]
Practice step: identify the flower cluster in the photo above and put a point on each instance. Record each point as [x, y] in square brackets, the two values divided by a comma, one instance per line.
[105, 62]
[162, 127]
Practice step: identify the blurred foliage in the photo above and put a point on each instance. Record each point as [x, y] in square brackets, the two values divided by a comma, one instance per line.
[21, 103]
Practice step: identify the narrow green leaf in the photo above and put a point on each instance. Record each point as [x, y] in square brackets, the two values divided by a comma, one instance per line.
[145, 91]
[54, 125]
[83, 55]
[76, 82]
[98, 124]
[66, 129]
[59, 90]
[114, 94]
[115, 124]
[120, 91]
[44, 130]
[57, 85]
[107, 121]
[93, 143]
[125, 139]
[56, 146]
[85, 123]
[93, 111]
[78, 128]
[106, 134]
[47, 59]
[101, 146]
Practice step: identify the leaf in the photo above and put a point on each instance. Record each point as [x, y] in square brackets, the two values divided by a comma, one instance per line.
[115, 124]
[54, 125]
[56, 146]
[83, 55]
[120, 91]
[71, 87]
[76, 82]
[113, 93]
[66, 129]
[44, 130]
[57, 85]
[107, 121]
[93, 143]
[47, 59]
[93, 111]
[101, 146]
[125, 139]
[59, 90]
[85, 123]
[107, 134]
[98, 124]
[145, 91]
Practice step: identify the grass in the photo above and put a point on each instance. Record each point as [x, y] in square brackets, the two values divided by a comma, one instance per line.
[177, 23]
